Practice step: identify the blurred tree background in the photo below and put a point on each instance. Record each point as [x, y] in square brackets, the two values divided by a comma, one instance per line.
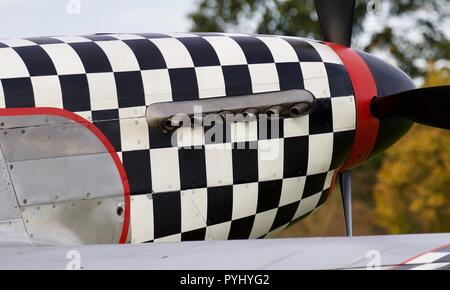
[407, 188]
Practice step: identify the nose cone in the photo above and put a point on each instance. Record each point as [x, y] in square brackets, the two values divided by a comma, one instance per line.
[389, 80]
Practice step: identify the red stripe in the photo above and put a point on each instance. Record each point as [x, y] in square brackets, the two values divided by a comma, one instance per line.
[365, 89]
[105, 141]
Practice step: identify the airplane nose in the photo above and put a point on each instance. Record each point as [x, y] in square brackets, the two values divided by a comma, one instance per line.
[389, 80]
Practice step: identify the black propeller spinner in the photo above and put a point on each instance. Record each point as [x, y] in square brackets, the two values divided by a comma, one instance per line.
[429, 106]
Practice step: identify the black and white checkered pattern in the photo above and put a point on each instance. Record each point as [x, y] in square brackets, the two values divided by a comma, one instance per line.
[215, 191]
[435, 260]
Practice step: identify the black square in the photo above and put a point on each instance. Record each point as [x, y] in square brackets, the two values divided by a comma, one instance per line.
[111, 129]
[153, 35]
[245, 162]
[305, 51]
[295, 156]
[201, 51]
[130, 89]
[92, 56]
[137, 166]
[323, 197]
[270, 128]
[158, 139]
[75, 92]
[44, 40]
[241, 228]
[290, 76]
[269, 193]
[285, 214]
[184, 84]
[192, 167]
[445, 259]
[342, 145]
[104, 115]
[220, 204]
[99, 37]
[237, 80]
[338, 79]
[217, 133]
[255, 50]
[314, 184]
[2, 45]
[147, 54]
[195, 235]
[166, 214]
[38, 62]
[18, 92]
[321, 117]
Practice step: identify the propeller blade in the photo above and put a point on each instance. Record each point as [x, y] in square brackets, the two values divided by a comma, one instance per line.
[428, 106]
[336, 20]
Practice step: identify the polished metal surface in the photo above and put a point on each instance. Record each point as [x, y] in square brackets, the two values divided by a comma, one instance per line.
[157, 113]
[9, 208]
[13, 233]
[65, 179]
[58, 137]
[95, 221]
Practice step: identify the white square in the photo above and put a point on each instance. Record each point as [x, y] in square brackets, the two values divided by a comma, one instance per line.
[307, 205]
[165, 169]
[126, 36]
[157, 86]
[263, 222]
[318, 87]
[245, 200]
[12, 65]
[320, 153]
[281, 50]
[119, 55]
[270, 159]
[344, 113]
[294, 127]
[210, 81]
[218, 232]
[141, 219]
[87, 115]
[17, 42]
[264, 77]
[244, 131]
[326, 53]
[190, 137]
[134, 134]
[428, 258]
[328, 179]
[219, 164]
[313, 70]
[102, 90]
[292, 190]
[228, 50]
[169, 239]
[72, 39]
[132, 112]
[174, 52]
[65, 58]
[47, 91]
[2, 96]
[194, 206]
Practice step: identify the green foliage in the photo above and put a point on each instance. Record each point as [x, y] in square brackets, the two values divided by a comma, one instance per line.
[299, 18]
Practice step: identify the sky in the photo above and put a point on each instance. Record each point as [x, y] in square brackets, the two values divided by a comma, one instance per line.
[24, 18]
